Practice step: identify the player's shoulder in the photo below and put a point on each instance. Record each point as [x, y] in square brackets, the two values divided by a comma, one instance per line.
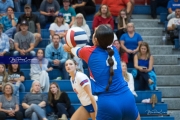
[81, 76]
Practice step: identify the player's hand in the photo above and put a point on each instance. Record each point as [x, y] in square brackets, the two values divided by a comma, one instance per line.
[67, 48]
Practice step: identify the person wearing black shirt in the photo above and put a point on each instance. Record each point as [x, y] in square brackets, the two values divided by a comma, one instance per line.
[60, 102]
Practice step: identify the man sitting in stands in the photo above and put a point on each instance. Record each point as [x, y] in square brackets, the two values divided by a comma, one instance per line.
[33, 22]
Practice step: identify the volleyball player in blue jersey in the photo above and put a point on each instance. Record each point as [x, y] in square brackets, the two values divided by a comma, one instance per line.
[115, 100]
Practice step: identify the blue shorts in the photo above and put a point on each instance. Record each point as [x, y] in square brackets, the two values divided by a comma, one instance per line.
[115, 106]
[89, 108]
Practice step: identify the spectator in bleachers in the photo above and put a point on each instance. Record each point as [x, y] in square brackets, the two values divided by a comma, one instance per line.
[37, 3]
[69, 12]
[86, 7]
[4, 4]
[60, 102]
[33, 22]
[174, 26]
[128, 78]
[3, 75]
[48, 10]
[130, 41]
[24, 41]
[143, 63]
[103, 16]
[39, 69]
[19, 3]
[9, 22]
[122, 53]
[116, 5]
[155, 4]
[15, 75]
[172, 6]
[59, 27]
[9, 105]
[56, 55]
[35, 102]
[122, 21]
[4, 44]
[132, 8]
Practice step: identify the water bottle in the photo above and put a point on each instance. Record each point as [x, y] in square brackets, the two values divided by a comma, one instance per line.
[164, 40]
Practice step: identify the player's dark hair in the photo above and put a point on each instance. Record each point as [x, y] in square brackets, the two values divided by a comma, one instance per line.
[105, 36]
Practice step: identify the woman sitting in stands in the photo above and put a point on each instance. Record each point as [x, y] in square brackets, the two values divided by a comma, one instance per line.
[39, 70]
[122, 53]
[34, 103]
[103, 16]
[9, 105]
[144, 73]
[3, 75]
[128, 78]
[60, 102]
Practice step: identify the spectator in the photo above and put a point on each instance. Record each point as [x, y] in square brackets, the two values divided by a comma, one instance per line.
[132, 8]
[81, 22]
[15, 75]
[4, 4]
[48, 10]
[18, 3]
[117, 5]
[24, 41]
[39, 70]
[155, 4]
[103, 16]
[143, 63]
[122, 21]
[3, 75]
[172, 6]
[37, 3]
[4, 44]
[60, 102]
[34, 103]
[69, 12]
[130, 41]
[9, 105]
[9, 22]
[33, 22]
[56, 55]
[128, 78]
[59, 27]
[122, 53]
[173, 26]
[86, 7]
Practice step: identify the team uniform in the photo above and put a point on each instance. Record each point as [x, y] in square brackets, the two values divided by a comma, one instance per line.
[118, 102]
[78, 84]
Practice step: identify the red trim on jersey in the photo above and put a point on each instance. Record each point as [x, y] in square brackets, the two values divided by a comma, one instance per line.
[83, 82]
[72, 38]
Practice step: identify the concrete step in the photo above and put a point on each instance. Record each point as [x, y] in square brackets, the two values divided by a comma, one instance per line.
[166, 59]
[170, 91]
[168, 80]
[167, 69]
[161, 49]
[149, 31]
[153, 40]
[175, 114]
[173, 103]
[146, 23]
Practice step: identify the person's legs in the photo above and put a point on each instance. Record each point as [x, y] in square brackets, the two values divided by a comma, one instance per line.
[27, 2]
[37, 38]
[17, 6]
[89, 9]
[34, 116]
[42, 20]
[61, 109]
[132, 8]
[7, 54]
[153, 8]
[2, 115]
[119, 33]
[32, 53]
[81, 10]
[71, 111]
[81, 114]
[21, 87]
[44, 80]
[178, 27]
[62, 68]
[10, 32]
[18, 115]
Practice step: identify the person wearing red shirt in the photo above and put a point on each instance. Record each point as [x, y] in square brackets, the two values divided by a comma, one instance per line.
[103, 16]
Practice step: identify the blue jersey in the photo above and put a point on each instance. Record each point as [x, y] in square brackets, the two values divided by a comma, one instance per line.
[96, 58]
[173, 5]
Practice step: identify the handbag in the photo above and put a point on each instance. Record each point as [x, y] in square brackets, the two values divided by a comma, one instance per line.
[52, 117]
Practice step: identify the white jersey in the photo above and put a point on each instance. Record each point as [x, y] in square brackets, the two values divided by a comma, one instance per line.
[81, 80]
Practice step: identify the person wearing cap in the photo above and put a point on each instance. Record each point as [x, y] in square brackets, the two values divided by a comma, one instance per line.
[48, 10]
[86, 7]
[59, 27]
[9, 22]
[18, 3]
[4, 4]
[24, 41]
[69, 12]
[33, 22]
[4, 44]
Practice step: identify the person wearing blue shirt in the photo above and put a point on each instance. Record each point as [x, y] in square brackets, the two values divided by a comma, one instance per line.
[56, 55]
[9, 22]
[172, 6]
[69, 12]
[4, 4]
[115, 100]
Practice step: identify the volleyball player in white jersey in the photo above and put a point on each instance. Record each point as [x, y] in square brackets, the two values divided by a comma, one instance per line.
[82, 86]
